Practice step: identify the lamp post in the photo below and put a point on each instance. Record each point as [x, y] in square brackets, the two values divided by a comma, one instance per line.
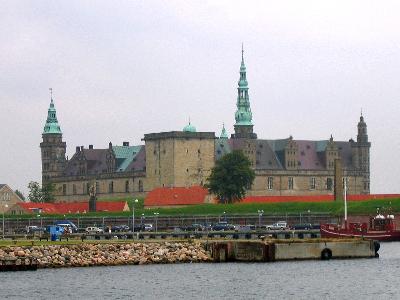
[41, 225]
[156, 216]
[5, 207]
[260, 214]
[224, 216]
[141, 220]
[133, 215]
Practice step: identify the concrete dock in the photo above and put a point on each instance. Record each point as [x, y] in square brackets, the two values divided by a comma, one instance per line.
[279, 250]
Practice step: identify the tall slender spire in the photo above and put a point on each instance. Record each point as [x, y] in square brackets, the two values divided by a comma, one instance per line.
[243, 115]
[51, 126]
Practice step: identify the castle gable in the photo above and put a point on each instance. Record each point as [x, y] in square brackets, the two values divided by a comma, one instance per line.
[95, 161]
[138, 163]
[125, 155]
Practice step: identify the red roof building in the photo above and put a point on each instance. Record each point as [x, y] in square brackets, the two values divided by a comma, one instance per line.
[176, 196]
[70, 208]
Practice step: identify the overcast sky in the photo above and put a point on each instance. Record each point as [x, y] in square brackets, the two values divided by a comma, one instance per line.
[120, 69]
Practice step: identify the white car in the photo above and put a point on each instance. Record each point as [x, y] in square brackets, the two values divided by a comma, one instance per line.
[93, 230]
[148, 227]
[280, 225]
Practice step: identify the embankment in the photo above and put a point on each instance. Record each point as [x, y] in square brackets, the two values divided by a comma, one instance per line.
[110, 254]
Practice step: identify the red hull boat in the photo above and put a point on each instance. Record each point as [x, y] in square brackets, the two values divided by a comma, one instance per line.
[381, 228]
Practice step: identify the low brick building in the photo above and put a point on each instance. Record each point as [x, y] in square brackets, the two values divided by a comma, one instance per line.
[8, 198]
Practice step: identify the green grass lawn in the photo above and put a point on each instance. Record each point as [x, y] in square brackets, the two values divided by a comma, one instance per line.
[333, 208]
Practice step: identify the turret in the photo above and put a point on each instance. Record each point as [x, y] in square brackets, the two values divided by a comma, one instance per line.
[52, 147]
[224, 134]
[243, 116]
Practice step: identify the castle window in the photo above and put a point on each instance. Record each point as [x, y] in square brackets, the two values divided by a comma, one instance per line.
[111, 187]
[140, 186]
[127, 186]
[329, 184]
[74, 189]
[290, 183]
[312, 183]
[97, 187]
[270, 183]
[64, 189]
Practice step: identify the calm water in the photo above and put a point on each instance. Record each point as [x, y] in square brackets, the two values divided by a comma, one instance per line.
[334, 279]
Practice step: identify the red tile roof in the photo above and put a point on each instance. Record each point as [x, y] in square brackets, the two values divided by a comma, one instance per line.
[176, 196]
[78, 207]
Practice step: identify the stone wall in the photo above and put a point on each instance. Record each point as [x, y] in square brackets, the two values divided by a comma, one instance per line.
[110, 254]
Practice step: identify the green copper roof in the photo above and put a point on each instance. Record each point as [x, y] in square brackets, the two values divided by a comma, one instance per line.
[224, 134]
[124, 155]
[243, 115]
[52, 126]
[189, 128]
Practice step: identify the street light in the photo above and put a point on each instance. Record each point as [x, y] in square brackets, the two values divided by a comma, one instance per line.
[5, 207]
[141, 220]
[133, 215]
[41, 225]
[260, 213]
[156, 216]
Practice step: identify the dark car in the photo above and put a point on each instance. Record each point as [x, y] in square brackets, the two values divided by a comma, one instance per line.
[305, 226]
[223, 226]
[195, 227]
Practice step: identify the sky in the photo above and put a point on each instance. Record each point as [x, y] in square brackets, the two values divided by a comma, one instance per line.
[120, 69]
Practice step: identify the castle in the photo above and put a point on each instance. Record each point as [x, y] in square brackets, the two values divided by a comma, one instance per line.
[185, 158]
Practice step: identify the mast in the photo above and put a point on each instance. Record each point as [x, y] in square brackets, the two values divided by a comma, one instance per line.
[345, 202]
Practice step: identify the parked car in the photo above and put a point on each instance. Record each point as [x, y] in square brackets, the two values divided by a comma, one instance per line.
[68, 225]
[280, 225]
[195, 227]
[223, 226]
[244, 228]
[33, 229]
[148, 227]
[93, 229]
[303, 226]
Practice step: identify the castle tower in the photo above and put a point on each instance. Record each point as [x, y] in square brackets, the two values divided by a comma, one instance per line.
[360, 153]
[52, 147]
[243, 116]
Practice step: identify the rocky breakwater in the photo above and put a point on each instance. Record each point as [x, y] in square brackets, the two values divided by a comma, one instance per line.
[86, 254]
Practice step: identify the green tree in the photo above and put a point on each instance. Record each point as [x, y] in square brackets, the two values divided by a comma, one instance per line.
[48, 192]
[20, 194]
[35, 192]
[230, 177]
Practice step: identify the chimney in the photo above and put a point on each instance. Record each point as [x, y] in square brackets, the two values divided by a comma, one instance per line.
[78, 148]
[90, 146]
[82, 148]
[125, 144]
